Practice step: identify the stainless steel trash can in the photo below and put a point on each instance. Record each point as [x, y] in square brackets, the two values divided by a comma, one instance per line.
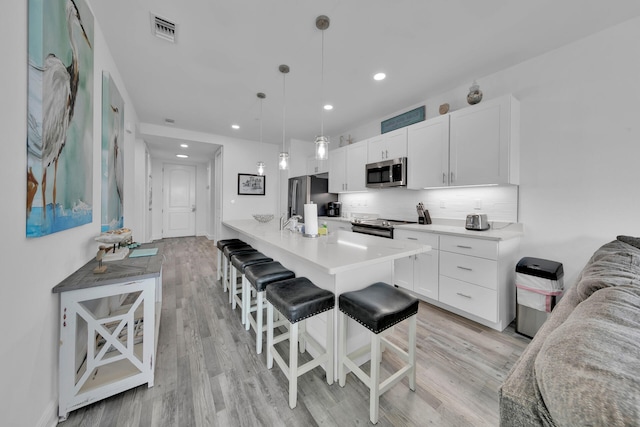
[539, 283]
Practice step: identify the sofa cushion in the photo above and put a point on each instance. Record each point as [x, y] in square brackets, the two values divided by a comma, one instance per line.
[614, 264]
[588, 369]
[629, 240]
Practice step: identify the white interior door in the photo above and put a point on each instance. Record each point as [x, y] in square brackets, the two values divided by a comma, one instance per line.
[179, 210]
[218, 195]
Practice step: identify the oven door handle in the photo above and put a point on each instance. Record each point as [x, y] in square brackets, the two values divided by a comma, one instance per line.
[372, 231]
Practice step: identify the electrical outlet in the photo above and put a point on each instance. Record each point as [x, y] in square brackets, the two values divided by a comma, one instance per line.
[478, 204]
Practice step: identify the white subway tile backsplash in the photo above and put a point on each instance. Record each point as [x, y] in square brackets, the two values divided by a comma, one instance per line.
[500, 203]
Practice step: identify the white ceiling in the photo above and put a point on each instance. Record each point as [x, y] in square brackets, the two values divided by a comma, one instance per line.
[227, 51]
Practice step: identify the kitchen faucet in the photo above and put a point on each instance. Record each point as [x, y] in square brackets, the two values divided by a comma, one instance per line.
[284, 223]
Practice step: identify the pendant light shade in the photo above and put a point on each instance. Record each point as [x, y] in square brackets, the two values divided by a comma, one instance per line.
[322, 142]
[283, 158]
[261, 96]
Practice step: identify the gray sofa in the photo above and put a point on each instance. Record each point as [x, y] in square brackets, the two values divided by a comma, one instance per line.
[583, 366]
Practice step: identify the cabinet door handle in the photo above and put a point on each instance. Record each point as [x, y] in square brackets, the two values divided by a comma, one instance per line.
[444, 178]
[386, 154]
[412, 238]
[465, 268]
[452, 178]
[464, 247]
[382, 154]
[463, 295]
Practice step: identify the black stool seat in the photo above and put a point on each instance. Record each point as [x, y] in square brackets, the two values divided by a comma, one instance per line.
[378, 306]
[299, 298]
[260, 275]
[242, 260]
[237, 249]
[222, 243]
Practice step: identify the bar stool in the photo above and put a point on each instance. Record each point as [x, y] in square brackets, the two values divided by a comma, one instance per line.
[377, 307]
[220, 245]
[259, 276]
[228, 251]
[240, 262]
[297, 300]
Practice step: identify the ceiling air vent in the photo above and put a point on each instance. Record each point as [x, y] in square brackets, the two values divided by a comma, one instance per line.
[163, 28]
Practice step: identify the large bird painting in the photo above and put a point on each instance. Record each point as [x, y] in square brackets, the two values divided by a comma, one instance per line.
[60, 116]
[112, 155]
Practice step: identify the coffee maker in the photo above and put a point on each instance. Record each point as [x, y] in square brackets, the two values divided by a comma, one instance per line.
[333, 208]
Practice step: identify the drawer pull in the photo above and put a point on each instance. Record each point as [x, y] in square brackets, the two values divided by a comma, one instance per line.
[464, 247]
[465, 268]
[463, 295]
[412, 238]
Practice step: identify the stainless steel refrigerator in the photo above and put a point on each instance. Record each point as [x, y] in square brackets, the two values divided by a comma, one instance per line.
[307, 189]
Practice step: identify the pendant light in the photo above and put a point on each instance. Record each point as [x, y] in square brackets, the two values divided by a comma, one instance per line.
[261, 96]
[322, 142]
[283, 162]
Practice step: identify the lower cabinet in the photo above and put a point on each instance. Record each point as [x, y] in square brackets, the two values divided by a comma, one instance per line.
[418, 273]
[335, 224]
[472, 277]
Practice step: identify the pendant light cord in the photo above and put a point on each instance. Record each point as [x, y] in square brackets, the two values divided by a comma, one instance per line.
[284, 108]
[322, 89]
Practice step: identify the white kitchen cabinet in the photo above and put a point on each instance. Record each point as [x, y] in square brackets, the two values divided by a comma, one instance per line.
[484, 143]
[476, 278]
[347, 168]
[428, 153]
[315, 167]
[390, 145]
[418, 273]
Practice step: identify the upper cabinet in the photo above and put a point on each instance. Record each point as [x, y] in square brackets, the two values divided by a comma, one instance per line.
[484, 143]
[390, 145]
[428, 154]
[477, 145]
[347, 168]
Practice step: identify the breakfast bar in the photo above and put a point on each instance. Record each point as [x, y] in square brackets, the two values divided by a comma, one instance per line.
[339, 262]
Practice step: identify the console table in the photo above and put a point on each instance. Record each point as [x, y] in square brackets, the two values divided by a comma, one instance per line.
[108, 329]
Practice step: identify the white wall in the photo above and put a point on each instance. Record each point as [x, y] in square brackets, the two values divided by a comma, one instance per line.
[580, 143]
[30, 268]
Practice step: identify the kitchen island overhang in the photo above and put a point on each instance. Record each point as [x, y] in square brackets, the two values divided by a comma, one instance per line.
[340, 262]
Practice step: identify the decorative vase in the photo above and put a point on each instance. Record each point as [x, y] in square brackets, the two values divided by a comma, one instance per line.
[475, 94]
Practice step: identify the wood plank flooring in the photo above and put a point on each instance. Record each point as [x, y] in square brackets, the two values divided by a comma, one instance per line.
[207, 372]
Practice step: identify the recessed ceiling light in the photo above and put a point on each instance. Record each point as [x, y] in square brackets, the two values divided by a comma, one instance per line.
[235, 127]
[182, 156]
[328, 107]
[184, 145]
[379, 76]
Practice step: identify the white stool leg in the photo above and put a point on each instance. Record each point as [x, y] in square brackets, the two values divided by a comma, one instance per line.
[293, 365]
[374, 386]
[342, 348]
[302, 329]
[233, 285]
[269, 335]
[259, 322]
[244, 299]
[225, 266]
[412, 351]
[329, 348]
[219, 265]
[246, 289]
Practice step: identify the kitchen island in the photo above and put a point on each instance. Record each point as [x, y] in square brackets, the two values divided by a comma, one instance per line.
[340, 262]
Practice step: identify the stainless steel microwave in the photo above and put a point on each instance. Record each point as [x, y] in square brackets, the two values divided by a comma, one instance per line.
[389, 173]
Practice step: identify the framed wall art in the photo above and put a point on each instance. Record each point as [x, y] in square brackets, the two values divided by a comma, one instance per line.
[251, 185]
[59, 116]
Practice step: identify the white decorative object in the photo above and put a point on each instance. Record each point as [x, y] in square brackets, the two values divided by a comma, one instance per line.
[263, 218]
[310, 220]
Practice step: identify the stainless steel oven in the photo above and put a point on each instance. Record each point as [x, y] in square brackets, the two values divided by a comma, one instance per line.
[388, 173]
[377, 227]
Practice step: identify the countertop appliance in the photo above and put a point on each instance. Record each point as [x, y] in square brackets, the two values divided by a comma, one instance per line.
[334, 209]
[308, 189]
[377, 227]
[477, 222]
[388, 173]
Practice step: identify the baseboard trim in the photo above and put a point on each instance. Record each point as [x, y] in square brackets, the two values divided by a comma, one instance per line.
[49, 417]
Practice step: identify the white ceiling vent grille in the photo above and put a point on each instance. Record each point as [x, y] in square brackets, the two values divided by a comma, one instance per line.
[163, 28]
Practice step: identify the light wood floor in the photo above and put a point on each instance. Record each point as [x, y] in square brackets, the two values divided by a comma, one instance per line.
[207, 372]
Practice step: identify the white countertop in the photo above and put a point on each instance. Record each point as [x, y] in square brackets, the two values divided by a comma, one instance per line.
[339, 251]
[498, 230]
[454, 230]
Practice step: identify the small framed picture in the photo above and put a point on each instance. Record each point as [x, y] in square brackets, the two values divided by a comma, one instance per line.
[251, 185]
